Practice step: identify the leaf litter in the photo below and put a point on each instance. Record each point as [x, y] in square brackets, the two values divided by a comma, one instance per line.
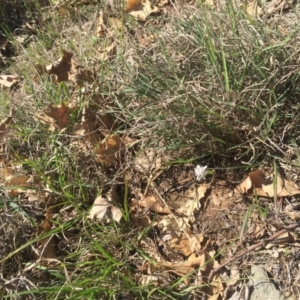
[176, 222]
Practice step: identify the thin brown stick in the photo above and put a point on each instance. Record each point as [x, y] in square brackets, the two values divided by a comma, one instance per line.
[253, 247]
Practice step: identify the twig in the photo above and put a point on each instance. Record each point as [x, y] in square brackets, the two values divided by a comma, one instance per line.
[253, 247]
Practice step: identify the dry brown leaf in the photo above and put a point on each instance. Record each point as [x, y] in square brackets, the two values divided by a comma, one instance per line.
[151, 203]
[17, 184]
[253, 9]
[8, 173]
[292, 211]
[192, 204]
[133, 5]
[90, 128]
[213, 289]
[155, 280]
[48, 247]
[106, 123]
[187, 244]
[109, 150]
[284, 188]
[161, 3]
[100, 29]
[62, 69]
[140, 10]
[176, 227]
[105, 208]
[283, 239]
[56, 117]
[265, 187]
[116, 25]
[7, 81]
[205, 262]
[234, 275]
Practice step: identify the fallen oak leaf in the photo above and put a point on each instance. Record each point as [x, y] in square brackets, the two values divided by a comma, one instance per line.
[105, 208]
[99, 208]
[56, 117]
[284, 188]
[63, 68]
[264, 186]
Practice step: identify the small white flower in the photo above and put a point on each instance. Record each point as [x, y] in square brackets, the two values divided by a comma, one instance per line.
[200, 172]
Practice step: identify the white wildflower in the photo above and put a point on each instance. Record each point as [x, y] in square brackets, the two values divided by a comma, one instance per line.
[200, 172]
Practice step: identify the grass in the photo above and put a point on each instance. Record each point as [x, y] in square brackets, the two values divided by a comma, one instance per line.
[213, 87]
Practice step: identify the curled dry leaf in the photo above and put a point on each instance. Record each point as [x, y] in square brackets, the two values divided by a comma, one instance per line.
[151, 203]
[7, 81]
[205, 262]
[140, 10]
[56, 117]
[63, 68]
[264, 186]
[192, 204]
[213, 290]
[105, 208]
[16, 183]
[100, 29]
